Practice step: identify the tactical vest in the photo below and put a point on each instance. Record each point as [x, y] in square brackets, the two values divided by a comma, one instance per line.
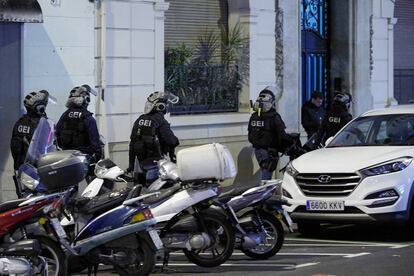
[146, 145]
[22, 136]
[74, 133]
[260, 131]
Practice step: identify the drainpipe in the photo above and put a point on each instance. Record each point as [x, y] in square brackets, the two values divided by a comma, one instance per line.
[100, 105]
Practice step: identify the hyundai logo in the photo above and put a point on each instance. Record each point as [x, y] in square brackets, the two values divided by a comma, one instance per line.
[324, 178]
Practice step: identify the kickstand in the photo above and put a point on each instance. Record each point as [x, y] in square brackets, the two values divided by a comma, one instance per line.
[95, 270]
[165, 268]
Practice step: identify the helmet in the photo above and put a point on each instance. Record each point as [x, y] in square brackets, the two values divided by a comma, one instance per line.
[36, 102]
[159, 101]
[79, 96]
[344, 99]
[265, 101]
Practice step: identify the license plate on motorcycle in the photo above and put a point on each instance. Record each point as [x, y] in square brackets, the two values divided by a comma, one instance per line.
[156, 239]
[321, 205]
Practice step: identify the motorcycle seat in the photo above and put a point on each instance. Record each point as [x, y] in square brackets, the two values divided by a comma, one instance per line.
[164, 194]
[12, 204]
[241, 188]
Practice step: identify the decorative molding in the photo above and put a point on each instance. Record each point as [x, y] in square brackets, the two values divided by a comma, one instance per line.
[371, 45]
[161, 6]
[279, 53]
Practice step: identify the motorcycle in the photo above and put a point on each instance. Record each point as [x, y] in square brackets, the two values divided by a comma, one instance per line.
[259, 232]
[121, 236]
[185, 219]
[23, 252]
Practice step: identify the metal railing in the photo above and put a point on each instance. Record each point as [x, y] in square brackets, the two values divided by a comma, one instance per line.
[203, 88]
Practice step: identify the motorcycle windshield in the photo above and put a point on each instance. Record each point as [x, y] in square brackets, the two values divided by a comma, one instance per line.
[42, 141]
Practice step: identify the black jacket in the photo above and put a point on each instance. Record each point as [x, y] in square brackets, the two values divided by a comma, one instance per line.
[151, 137]
[334, 120]
[77, 129]
[267, 131]
[312, 117]
[22, 134]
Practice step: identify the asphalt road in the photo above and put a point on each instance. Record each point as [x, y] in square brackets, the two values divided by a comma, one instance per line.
[345, 250]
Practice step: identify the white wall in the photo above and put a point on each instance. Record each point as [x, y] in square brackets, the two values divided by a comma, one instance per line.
[57, 55]
[382, 82]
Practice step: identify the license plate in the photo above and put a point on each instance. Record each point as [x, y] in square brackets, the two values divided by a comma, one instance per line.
[58, 228]
[156, 239]
[320, 205]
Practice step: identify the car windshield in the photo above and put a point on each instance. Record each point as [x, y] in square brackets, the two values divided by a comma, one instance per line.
[384, 130]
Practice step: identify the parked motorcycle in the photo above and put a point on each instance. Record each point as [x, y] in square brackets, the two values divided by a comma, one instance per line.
[121, 236]
[22, 251]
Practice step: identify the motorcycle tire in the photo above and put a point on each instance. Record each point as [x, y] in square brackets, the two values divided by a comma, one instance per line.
[54, 256]
[270, 222]
[227, 238]
[146, 264]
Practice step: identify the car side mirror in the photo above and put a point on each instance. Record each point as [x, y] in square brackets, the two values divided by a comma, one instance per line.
[328, 140]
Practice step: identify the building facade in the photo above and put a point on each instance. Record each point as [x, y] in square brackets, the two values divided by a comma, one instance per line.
[119, 46]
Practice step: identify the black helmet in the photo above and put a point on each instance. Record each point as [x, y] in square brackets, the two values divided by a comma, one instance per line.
[343, 99]
[79, 96]
[265, 101]
[36, 102]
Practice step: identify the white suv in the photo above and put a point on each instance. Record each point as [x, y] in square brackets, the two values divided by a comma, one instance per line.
[365, 173]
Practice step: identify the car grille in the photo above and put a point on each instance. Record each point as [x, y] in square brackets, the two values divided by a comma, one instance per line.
[335, 184]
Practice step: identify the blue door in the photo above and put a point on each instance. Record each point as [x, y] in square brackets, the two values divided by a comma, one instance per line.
[315, 48]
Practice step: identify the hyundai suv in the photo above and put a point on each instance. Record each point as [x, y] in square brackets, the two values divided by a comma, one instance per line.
[365, 173]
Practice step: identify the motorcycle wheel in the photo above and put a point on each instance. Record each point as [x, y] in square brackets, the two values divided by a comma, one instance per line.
[146, 263]
[223, 238]
[54, 256]
[275, 236]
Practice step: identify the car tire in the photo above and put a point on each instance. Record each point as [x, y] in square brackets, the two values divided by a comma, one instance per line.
[307, 228]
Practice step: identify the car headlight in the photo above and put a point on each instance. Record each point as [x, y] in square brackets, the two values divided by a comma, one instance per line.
[291, 170]
[388, 167]
[28, 181]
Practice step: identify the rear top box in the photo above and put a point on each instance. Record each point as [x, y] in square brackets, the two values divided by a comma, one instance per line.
[62, 169]
[211, 161]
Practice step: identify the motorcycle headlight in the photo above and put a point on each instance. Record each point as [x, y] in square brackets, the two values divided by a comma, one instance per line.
[291, 170]
[388, 167]
[28, 181]
[100, 171]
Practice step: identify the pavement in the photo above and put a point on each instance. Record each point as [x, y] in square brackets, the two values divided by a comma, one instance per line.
[338, 250]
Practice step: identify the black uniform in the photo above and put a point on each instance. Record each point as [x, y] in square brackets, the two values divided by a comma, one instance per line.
[334, 120]
[151, 138]
[22, 134]
[312, 117]
[267, 130]
[77, 130]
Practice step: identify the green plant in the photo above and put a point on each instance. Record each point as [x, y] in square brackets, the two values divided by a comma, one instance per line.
[233, 41]
[206, 48]
[178, 56]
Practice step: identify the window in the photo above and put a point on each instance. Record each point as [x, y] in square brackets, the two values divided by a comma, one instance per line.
[197, 64]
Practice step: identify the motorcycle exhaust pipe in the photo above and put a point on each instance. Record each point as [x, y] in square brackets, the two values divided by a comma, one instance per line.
[15, 266]
[250, 241]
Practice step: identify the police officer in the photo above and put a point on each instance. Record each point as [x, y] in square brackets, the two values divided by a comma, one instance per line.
[76, 128]
[336, 118]
[35, 104]
[313, 114]
[266, 132]
[151, 135]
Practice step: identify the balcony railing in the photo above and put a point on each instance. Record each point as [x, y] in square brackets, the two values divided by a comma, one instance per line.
[203, 88]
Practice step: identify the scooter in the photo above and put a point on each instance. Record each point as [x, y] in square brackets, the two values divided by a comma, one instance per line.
[121, 236]
[23, 252]
[259, 232]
